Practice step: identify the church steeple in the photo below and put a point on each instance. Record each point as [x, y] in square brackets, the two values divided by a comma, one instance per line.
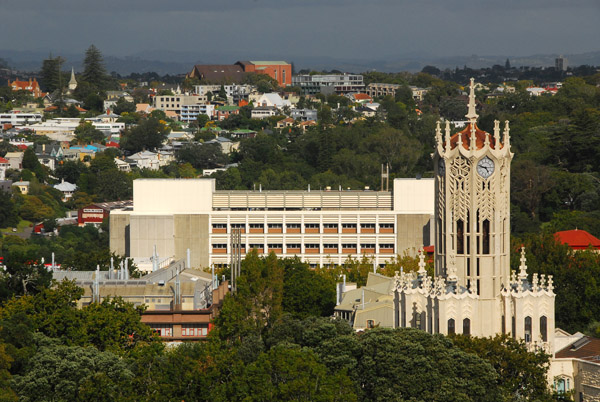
[73, 81]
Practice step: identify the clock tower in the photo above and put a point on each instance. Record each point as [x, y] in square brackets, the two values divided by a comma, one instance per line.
[472, 206]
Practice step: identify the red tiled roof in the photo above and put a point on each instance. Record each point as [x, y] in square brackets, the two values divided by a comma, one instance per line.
[2, 160]
[22, 146]
[577, 239]
[112, 144]
[586, 348]
[466, 138]
[362, 97]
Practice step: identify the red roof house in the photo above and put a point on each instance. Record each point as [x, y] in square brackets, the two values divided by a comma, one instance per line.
[31, 86]
[577, 239]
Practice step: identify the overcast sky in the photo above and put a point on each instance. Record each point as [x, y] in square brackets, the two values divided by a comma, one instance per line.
[342, 29]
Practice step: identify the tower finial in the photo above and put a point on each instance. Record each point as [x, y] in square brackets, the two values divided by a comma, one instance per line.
[422, 272]
[472, 114]
[523, 266]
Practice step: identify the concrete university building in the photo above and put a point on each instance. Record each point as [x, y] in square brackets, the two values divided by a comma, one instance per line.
[474, 290]
[321, 227]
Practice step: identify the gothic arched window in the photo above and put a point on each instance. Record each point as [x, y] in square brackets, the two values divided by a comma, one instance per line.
[544, 328]
[466, 326]
[451, 329]
[527, 329]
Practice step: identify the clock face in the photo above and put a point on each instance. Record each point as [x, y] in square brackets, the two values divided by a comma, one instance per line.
[485, 167]
[441, 167]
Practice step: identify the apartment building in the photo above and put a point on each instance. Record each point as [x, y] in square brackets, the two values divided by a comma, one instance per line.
[20, 119]
[174, 103]
[321, 227]
[339, 84]
[189, 113]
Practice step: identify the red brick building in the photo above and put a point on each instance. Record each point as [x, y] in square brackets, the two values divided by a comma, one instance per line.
[32, 86]
[281, 71]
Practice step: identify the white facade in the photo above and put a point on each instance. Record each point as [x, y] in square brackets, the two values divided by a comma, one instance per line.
[321, 227]
[20, 119]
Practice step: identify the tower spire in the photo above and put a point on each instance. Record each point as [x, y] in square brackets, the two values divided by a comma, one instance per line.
[472, 114]
[73, 81]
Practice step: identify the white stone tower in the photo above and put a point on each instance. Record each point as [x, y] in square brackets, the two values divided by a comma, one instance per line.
[473, 206]
[73, 81]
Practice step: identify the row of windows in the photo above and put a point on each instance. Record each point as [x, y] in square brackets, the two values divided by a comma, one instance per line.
[306, 226]
[193, 330]
[223, 246]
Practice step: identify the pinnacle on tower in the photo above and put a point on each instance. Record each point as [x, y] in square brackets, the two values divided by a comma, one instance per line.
[421, 272]
[472, 114]
[523, 266]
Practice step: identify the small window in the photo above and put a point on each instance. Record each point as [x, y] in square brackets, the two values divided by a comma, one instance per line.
[370, 324]
[451, 326]
[527, 329]
[544, 328]
[466, 326]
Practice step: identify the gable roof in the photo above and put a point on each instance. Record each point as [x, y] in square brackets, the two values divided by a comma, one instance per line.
[218, 72]
[577, 239]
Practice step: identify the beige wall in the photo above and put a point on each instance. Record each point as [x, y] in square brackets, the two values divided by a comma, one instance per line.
[191, 231]
[119, 233]
[146, 231]
[172, 196]
[414, 196]
[413, 232]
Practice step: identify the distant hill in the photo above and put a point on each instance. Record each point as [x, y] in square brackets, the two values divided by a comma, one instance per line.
[173, 62]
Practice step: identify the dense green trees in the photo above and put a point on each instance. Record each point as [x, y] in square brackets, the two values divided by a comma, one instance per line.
[94, 72]
[149, 134]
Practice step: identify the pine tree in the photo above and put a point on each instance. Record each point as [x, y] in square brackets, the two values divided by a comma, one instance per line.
[507, 64]
[50, 73]
[94, 72]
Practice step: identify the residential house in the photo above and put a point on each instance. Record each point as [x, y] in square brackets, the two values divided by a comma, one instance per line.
[108, 117]
[270, 99]
[287, 122]
[32, 86]
[366, 111]
[122, 165]
[4, 164]
[243, 133]
[67, 189]
[150, 160]
[262, 112]
[23, 186]
[143, 108]
[223, 112]
[227, 146]
[357, 97]
[112, 97]
[15, 159]
[304, 114]
[305, 125]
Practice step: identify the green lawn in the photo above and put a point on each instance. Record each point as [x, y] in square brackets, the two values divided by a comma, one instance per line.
[22, 225]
